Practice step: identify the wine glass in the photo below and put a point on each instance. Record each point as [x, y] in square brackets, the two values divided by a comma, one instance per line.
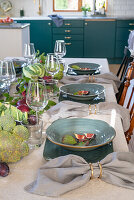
[60, 50]
[29, 52]
[52, 65]
[7, 73]
[37, 97]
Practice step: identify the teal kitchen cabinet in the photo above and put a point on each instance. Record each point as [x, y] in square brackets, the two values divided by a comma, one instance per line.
[99, 38]
[122, 33]
[72, 33]
[40, 34]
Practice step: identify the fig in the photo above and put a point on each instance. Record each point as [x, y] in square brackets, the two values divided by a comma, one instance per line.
[32, 119]
[4, 169]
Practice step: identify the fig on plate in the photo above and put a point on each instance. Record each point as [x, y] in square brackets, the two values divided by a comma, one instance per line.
[89, 135]
[79, 137]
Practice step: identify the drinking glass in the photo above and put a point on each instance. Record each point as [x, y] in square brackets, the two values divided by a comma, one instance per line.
[60, 50]
[29, 52]
[52, 65]
[7, 73]
[37, 97]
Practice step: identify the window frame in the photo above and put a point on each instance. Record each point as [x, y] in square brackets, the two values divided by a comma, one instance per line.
[79, 7]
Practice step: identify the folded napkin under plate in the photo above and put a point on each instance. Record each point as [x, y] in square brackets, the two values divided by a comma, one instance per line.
[67, 173]
[108, 78]
[66, 109]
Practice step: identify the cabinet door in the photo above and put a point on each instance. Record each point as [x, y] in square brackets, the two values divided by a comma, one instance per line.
[40, 34]
[99, 39]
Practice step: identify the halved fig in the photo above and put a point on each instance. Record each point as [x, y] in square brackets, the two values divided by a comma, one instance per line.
[89, 135]
[80, 137]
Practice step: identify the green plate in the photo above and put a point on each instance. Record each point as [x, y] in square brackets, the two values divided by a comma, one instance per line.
[104, 132]
[92, 68]
[94, 89]
[52, 151]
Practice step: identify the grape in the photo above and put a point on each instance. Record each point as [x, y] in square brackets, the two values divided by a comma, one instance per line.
[4, 169]
[32, 119]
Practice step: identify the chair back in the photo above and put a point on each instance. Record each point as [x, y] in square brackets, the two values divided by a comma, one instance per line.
[127, 101]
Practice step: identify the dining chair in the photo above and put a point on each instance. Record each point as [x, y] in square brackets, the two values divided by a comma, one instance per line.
[124, 64]
[128, 76]
[127, 101]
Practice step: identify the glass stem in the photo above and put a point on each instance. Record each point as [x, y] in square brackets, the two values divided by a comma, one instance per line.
[37, 117]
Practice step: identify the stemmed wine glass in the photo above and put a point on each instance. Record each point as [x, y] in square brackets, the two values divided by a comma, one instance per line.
[37, 97]
[29, 52]
[7, 73]
[60, 50]
[52, 65]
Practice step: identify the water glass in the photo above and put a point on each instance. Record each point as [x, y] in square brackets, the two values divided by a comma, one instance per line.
[52, 65]
[29, 52]
[37, 97]
[35, 139]
[60, 50]
[52, 88]
[7, 73]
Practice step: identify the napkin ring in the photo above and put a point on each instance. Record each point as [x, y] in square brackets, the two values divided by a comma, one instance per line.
[92, 171]
[90, 110]
[100, 166]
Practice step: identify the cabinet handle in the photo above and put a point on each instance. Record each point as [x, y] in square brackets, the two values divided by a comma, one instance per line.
[86, 24]
[68, 43]
[49, 24]
[130, 30]
[67, 37]
[67, 31]
[131, 24]
[68, 24]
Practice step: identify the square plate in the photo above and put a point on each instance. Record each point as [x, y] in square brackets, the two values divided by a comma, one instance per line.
[52, 151]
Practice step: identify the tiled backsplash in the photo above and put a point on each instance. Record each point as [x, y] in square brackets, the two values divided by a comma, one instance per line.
[124, 8]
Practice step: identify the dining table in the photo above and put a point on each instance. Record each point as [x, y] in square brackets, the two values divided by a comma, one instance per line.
[25, 171]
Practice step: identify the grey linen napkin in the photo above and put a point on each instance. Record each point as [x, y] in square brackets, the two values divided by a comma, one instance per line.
[66, 109]
[108, 78]
[57, 19]
[67, 173]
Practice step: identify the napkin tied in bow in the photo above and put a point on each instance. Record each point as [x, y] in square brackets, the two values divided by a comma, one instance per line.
[67, 173]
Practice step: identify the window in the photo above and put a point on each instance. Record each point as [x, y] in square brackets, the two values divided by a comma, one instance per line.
[75, 5]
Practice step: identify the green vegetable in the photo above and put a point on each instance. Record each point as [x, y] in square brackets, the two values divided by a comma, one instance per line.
[14, 112]
[68, 139]
[7, 123]
[21, 131]
[12, 147]
[75, 67]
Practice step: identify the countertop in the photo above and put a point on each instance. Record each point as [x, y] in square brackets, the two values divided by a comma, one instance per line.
[13, 26]
[75, 17]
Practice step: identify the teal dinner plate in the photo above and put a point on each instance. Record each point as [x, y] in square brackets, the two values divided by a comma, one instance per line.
[103, 131]
[94, 90]
[91, 68]
[52, 151]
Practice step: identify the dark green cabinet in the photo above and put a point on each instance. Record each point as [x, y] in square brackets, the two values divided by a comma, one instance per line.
[99, 39]
[122, 33]
[40, 34]
[72, 33]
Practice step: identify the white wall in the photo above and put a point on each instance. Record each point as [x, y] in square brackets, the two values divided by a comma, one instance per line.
[123, 8]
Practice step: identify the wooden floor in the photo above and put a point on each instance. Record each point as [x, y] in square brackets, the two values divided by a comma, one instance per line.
[114, 69]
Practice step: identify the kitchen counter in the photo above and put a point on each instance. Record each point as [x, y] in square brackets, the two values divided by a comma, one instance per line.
[12, 38]
[76, 18]
[13, 26]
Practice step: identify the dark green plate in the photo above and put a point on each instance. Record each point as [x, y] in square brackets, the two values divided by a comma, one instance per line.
[94, 90]
[92, 68]
[103, 131]
[52, 151]
[96, 100]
